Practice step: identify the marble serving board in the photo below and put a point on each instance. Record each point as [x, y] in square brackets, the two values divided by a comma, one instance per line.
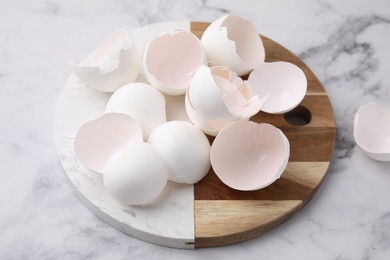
[207, 213]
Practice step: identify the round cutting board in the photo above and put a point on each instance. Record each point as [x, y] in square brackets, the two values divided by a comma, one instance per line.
[208, 213]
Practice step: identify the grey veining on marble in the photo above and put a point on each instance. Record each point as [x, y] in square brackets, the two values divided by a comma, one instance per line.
[345, 43]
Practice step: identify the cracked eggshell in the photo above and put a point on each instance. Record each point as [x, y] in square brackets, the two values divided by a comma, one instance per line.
[208, 126]
[113, 64]
[282, 84]
[98, 139]
[218, 93]
[371, 130]
[142, 102]
[205, 96]
[171, 59]
[234, 42]
[185, 150]
[136, 176]
[249, 156]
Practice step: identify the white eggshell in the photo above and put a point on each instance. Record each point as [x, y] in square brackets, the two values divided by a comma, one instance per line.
[98, 139]
[372, 131]
[219, 94]
[282, 84]
[185, 149]
[171, 59]
[249, 156]
[234, 42]
[113, 64]
[136, 176]
[142, 102]
[208, 126]
[205, 96]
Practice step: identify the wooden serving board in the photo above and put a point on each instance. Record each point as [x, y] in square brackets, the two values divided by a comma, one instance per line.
[225, 216]
[208, 213]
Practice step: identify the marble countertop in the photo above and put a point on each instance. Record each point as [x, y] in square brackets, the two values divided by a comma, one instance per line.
[343, 42]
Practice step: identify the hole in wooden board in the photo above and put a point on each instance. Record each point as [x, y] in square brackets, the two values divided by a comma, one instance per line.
[299, 116]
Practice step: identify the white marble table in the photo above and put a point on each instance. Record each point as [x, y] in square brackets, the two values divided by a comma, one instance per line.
[344, 42]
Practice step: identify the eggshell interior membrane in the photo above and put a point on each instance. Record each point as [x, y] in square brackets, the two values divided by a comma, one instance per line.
[98, 139]
[142, 102]
[282, 84]
[372, 131]
[136, 176]
[219, 94]
[236, 93]
[249, 156]
[113, 64]
[171, 59]
[185, 149]
[234, 42]
[106, 57]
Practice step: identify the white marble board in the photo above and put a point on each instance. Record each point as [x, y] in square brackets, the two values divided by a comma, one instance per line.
[171, 222]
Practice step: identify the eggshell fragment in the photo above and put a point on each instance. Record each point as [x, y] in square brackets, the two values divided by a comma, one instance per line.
[217, 96]
[98, 139]
[234, 42]
[113, 64]
[282, 84]
[142, 102]
[136, 176]
[249, 156]
[185, 149]
[171, 59]
[372, 131]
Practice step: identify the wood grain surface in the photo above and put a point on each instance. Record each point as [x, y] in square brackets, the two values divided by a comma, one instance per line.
[225, 216]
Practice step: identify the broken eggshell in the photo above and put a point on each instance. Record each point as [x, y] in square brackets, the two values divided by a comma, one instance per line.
[137, 175]
[171, 59]
[208, 126]
[142, 102]
[249, 156]
[371, 130]
[98, 139]
[218, 93]
[282, 84]
[234, 42]
[185, 149]
[113, 64]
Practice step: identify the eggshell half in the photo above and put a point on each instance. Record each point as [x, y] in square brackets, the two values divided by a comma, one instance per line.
[136, 176]
[234, 42]
[282, 84]
[249, 156]
[113, 64]
[372, 131]
[142, 102]
[185, 149]
[98, 139]
[171, 59]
